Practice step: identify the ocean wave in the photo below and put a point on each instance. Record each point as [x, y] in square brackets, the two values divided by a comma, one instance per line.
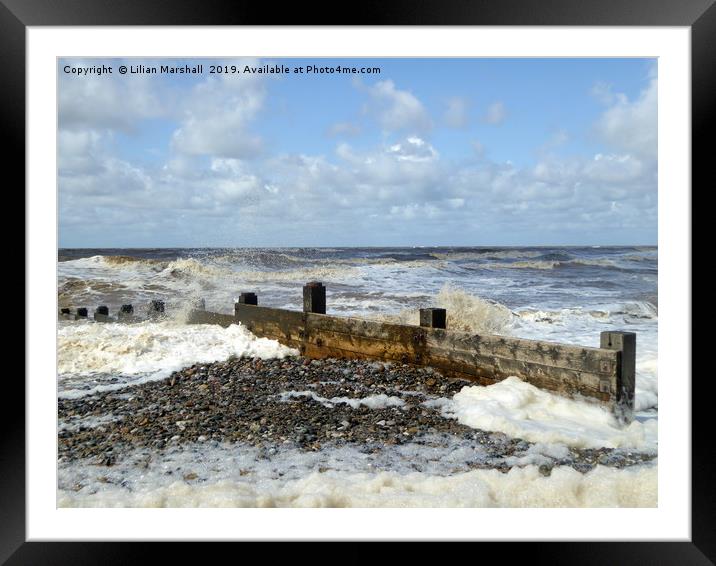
[465, 312]
[640, 257]
[112, 261]
[120, 260]
[319, 273]
[635, 309]
[485, 254]
[537, 264]
[553, 264]
[149, 350]
[638, 309]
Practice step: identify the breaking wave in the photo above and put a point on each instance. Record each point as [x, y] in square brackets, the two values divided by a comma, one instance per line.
[465, 312]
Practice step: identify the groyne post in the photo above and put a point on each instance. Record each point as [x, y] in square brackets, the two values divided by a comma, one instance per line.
[625, 344]
[81, 313]
[248, 299]
[126, 312]
[433, 318]
[245, 299]
[314, 297]
[65, 314]
[101, 314]
[156, 308]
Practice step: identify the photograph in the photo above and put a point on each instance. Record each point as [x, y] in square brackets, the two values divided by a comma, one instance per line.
[426, 282]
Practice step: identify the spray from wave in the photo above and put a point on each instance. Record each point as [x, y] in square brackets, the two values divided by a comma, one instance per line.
[465, 312]
[134, 353]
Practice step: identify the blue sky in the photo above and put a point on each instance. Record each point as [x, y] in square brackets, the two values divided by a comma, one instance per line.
[426, 152]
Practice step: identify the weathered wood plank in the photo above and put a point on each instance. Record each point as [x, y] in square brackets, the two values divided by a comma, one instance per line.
[595, 360]
[376, 347]
[564, 381]
[472, 365]
[278, 324]
[402, 333]
[206, 317]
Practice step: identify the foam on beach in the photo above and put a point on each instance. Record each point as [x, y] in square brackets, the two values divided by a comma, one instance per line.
[135, 353]
[379, 401]
[241, 477]
[521, 410]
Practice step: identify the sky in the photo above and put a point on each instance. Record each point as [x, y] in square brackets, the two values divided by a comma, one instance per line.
[419, 152]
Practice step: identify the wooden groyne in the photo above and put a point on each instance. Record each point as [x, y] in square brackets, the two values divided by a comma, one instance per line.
[605, 373]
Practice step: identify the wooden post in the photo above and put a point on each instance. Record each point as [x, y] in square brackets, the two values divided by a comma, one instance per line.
[625, 344]
[248, 299]
[245, 299]
[126, 312]
[156, 308]
[65, 314]
[101, 314]
[314, 297]
[81, 313]
[433, 318]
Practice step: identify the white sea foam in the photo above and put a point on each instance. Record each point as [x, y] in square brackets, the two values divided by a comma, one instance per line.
[372, 402]
[520, 487]
[151, 350]
[521, 410]
[533, 264]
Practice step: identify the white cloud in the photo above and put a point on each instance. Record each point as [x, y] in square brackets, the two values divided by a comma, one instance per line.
[217, 114]
[456, 112]
[478, 147]
[79, 152]
[496, 113]
[415, 211]
[397, 109]
[631, 125]
[361, 194]
[614, 168]
[344, 129]
[218, 183]
[413, 149]
[107, 101]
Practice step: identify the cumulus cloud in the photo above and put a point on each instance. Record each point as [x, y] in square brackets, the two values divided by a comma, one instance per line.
[79, 152]
[371, 194]
[496, 113]
[630, 125]
[107, 101]
[456, 112]
[413, 149]
[397, 109]
[216, 187]
[217, 114]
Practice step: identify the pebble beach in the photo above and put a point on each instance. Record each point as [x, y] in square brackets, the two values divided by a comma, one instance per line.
[273, 406]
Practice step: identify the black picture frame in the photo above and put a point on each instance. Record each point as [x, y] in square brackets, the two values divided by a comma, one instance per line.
[699, 15]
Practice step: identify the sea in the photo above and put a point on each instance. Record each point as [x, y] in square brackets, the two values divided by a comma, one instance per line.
[560, 294]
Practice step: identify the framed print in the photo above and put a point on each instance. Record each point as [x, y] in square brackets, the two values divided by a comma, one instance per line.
[410, 262]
